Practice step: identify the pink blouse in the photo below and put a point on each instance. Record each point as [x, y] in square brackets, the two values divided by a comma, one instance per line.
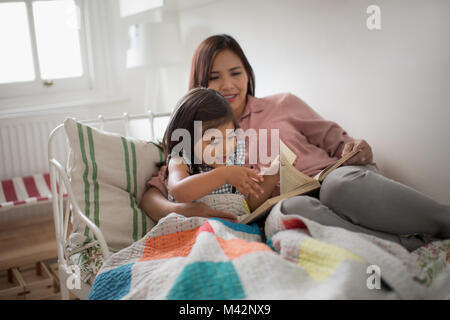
[316, 142]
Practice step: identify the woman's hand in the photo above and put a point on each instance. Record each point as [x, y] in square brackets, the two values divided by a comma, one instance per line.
[244, 179]
[363, 157]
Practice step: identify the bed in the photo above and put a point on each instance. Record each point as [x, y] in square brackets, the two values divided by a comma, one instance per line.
[115, 251]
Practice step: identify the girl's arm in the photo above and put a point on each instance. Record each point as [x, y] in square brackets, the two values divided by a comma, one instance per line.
[186, 188]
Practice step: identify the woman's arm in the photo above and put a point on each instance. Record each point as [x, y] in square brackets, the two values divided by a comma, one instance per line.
[268, 184]
[156, 206]
[327, 135]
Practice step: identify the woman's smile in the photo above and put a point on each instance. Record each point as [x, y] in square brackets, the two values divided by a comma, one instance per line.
[230, 98]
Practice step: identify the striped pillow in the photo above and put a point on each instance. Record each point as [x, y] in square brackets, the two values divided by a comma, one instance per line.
[108, 173]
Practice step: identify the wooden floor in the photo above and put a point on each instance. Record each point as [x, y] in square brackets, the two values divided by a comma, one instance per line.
[26, 241]
[24, 244]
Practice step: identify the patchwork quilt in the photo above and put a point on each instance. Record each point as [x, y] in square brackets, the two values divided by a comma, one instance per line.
[294, 258]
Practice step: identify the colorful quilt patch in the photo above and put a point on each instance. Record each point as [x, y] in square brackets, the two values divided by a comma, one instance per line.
[206, 281]
[294, 224]
[171, 245]
[269, 242]
[206, 227]
[252, 229]
[320, 259]
[112, 284]
[235, 248]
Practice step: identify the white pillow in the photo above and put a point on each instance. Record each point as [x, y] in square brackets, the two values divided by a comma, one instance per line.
[228, 202]
[108, 173]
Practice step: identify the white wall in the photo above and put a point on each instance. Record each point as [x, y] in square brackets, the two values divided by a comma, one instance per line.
[390, 87]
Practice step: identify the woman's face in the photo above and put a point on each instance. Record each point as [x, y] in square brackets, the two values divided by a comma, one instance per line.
[228, 76]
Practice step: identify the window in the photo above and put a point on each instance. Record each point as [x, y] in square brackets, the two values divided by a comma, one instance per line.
[42, 47]
[16, 57]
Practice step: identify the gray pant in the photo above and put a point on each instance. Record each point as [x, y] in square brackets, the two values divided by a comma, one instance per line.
[360, 199]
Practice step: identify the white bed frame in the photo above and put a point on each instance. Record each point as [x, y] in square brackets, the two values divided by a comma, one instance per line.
[64, 208]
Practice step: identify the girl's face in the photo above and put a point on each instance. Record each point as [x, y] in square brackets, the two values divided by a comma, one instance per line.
[216, 145]
[228, 76]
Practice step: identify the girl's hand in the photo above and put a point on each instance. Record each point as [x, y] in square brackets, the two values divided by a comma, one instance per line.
[363, 157]
[244, 179]
[199, 209]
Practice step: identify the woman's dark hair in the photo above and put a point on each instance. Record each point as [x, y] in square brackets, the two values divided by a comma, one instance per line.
[199, 104]
[205, 54]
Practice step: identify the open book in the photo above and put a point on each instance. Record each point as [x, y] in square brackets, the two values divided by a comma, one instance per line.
[293, 182]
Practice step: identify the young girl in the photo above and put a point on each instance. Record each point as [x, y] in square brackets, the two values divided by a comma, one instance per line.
[209, 166]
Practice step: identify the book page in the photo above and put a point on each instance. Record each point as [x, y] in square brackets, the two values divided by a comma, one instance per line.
[323, 174]
[290, 177]
[287, 153]
[269, 203]
[292, 183]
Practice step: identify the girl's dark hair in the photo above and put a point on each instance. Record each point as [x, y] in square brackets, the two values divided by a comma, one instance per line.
[205, 54]
[199, 104]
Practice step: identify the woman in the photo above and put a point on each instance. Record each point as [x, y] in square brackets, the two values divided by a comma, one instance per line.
[355, 197]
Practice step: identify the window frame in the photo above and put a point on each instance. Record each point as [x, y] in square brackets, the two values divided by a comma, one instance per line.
[98, 82]
[36, 86]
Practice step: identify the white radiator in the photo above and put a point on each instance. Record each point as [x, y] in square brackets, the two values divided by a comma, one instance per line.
[23, 152]
[23, 148]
